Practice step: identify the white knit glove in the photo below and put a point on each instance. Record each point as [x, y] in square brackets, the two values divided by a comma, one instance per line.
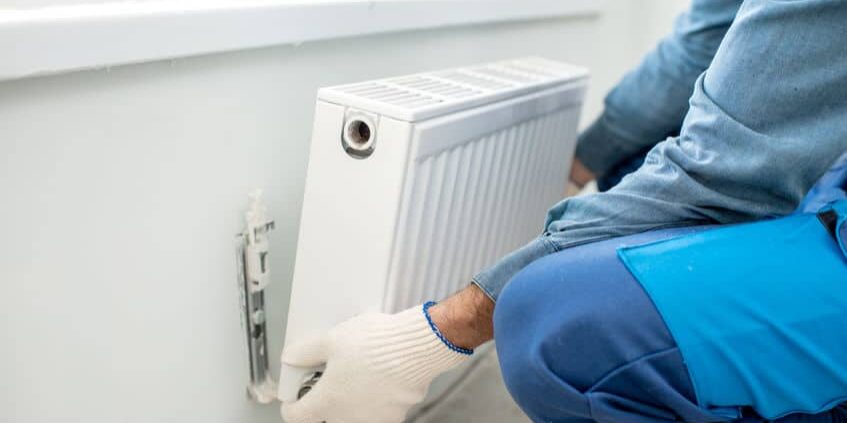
[377, 367]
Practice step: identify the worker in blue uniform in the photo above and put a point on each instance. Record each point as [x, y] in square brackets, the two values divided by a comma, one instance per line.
[706, 282]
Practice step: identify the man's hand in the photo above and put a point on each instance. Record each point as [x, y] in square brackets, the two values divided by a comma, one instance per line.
[580, 175]
[379, 365]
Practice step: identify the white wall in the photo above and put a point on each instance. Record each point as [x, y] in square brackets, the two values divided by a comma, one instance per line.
[122, 190]
[657, 19]
[33, 4]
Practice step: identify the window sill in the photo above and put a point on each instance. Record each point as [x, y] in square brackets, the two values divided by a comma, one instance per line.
[65, 38]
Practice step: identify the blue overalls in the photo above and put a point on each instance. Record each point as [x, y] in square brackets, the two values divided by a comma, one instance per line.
[701, 324]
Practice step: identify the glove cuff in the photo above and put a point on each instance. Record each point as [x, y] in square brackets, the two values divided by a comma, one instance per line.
[413, 349]
[450, 345]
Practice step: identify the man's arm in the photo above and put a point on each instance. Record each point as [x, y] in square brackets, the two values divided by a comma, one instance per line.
[649, 103]
[767, 119]
[465, 318]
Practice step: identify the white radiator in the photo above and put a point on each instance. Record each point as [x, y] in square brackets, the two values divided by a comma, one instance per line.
[416, 183]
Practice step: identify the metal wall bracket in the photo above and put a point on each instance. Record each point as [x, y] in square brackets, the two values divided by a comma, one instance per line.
[253, 278]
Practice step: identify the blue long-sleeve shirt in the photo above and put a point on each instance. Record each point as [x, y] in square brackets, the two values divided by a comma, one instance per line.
[757, 92]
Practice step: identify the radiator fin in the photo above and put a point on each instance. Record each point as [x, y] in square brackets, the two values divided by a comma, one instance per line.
[426, 95]
[469, 205]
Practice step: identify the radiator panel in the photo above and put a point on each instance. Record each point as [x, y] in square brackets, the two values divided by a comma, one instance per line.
[416, 183]
[475, 202]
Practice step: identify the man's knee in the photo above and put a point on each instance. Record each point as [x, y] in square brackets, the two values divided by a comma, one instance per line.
[538, 377]
[565, 322]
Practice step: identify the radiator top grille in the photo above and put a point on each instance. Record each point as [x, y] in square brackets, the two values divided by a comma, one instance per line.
[426, 95]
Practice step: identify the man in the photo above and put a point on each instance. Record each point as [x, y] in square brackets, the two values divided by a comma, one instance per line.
[688, 322]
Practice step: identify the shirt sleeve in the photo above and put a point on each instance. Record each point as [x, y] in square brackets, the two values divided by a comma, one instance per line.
[766, 120]
[649, 103]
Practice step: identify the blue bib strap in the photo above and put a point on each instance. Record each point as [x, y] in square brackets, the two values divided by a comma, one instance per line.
[830, 187]
[840, 209]
[758, 311]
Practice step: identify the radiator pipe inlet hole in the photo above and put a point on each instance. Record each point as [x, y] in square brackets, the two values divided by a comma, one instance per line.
[358, 134]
